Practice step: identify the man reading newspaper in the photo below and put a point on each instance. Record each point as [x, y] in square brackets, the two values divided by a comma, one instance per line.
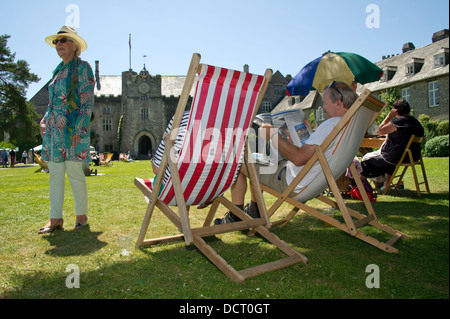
[338, 97]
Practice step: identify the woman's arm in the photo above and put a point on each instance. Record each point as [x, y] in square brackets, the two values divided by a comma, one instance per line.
[86, 91]
[386, 127]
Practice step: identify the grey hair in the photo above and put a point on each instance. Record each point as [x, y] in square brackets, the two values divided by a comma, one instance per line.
[348, 95]
[77, 51]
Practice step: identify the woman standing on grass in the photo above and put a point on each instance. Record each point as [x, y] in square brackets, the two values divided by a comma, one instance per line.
[65, 126]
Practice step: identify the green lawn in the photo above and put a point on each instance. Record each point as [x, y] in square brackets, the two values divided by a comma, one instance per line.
[34, 266]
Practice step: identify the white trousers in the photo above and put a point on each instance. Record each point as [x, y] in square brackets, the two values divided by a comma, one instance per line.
[78, 184]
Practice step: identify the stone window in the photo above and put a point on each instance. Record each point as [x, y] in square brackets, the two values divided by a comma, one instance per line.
[380, 96]
[388, 73]
[320, 114]
[144, 113]
[107, 125]
[267, 106]
[107, 110]
[441, 59]
[415, 66]
[279, 90]
[410, 69]
[433, 93]
[406, 95]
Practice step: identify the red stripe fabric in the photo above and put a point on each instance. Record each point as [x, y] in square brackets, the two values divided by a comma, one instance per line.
[223, 104]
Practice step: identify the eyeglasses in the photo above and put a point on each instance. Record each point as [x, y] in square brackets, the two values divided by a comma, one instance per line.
[62, 40]
[332, 85]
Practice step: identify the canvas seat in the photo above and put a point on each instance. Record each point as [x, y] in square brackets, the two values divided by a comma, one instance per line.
[224, 105]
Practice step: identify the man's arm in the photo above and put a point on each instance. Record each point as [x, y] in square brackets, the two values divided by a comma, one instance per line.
[297, 155]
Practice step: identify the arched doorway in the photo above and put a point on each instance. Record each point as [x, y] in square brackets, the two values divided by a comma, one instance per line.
[144, 146]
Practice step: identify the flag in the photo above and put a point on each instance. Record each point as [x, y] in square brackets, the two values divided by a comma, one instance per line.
[129, 41]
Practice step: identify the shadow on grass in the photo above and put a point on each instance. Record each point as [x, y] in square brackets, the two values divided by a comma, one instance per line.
[163, 271]
[74, 242]
[412, 194]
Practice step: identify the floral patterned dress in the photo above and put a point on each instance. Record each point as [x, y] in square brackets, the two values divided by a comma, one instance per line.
[59, 143]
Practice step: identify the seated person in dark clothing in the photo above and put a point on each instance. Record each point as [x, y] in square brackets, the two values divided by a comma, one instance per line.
[95, 159]
[398, 127]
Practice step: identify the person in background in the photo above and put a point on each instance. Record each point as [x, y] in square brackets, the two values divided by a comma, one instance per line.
[4, 158]
[95, 159]
[12, 155]
[398, 126]
[24, 157]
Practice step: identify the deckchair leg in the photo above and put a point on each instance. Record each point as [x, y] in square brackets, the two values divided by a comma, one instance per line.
[186, 227]
[256, 187]
[239, 276]
[336, 192]
[390, 180]
[211, 214]
[400, 177]
[416, 182]
[360, 185]
[425, 180]
[217, 260]
[293, 255]
[288, 217]
[145, 224]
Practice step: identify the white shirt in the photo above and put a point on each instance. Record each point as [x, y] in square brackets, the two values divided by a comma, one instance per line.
[316, 138]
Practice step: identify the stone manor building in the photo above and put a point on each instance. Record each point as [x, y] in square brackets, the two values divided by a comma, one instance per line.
[131, 111]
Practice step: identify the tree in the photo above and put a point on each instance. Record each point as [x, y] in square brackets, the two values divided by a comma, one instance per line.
[390, 95]
[17, 117]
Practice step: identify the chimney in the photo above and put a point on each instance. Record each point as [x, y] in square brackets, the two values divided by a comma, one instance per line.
[440, 35]
[246, 68]
[408, 47]
[97, 75]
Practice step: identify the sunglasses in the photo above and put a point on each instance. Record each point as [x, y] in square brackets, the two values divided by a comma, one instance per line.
[62, 40]
[333, 86]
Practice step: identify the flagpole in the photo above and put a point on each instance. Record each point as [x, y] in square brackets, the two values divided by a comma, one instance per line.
[129, 43]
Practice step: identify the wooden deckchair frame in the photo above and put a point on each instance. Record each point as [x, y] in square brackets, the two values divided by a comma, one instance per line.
[411, 164]
[107, 159]
[43, 165]
[181, 220]
[353, 220]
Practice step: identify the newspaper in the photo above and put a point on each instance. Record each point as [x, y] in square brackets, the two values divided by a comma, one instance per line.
[291, 127]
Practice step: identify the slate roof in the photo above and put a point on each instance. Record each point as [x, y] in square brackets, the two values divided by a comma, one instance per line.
[400, 61]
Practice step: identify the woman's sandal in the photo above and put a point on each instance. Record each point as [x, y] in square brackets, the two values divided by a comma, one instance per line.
[58, 225]
[80, 225]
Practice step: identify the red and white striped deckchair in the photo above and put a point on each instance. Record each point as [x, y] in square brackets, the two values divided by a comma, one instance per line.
[223, 108]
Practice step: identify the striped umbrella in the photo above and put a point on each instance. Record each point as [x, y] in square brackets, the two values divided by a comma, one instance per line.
[331, 66]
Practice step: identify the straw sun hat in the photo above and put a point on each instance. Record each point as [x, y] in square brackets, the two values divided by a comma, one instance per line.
[68, 32]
